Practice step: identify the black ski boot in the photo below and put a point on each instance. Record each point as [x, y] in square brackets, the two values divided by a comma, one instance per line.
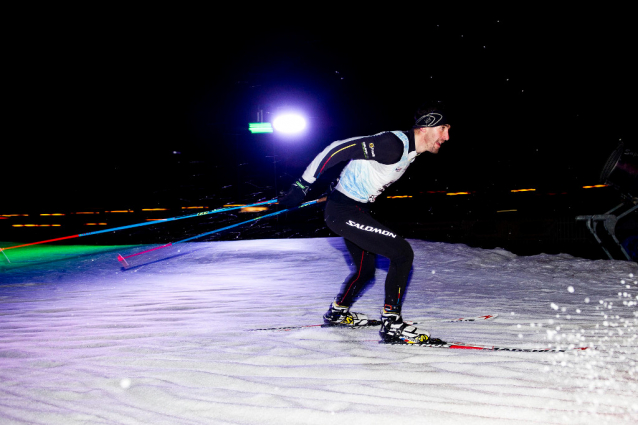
[339, 315]
[395, 331]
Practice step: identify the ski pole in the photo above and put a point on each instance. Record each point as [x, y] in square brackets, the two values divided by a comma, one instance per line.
[122, 259]
[305, 204]
[146, 223]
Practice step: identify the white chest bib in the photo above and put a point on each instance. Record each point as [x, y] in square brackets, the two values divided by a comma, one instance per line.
[364, 180]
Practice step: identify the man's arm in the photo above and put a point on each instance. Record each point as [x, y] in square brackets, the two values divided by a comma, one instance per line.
[385, 148]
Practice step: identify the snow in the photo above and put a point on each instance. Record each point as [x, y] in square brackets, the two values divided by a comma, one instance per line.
[166, 341]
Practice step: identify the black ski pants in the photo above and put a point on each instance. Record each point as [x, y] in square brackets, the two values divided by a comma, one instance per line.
[365, 237]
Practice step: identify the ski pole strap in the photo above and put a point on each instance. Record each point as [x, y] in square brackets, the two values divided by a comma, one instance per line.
[304, 187]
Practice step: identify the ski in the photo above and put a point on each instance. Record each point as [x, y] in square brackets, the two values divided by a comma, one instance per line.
[378, 323]
[463, 346]
[466, 319]
[370, 324]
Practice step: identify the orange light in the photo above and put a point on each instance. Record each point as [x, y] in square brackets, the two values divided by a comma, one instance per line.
[119, 211]
[193, 208]
[95, 224]
[523, 190]
[154, 209]
[253, 209]
[87, 212]
[399, 196]
[595, 186]
[51, 215]
[36, 225]
[457, 193]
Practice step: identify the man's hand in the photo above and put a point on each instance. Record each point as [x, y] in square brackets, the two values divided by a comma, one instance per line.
[295, 194]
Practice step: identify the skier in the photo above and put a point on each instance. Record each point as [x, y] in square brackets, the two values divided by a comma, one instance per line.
[375, 162]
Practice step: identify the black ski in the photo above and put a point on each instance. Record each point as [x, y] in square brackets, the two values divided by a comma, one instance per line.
[372, 323]
[463, 346]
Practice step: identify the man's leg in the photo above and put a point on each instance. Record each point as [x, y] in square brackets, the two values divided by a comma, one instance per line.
[364, 234]
[365, 265]
[360, 229]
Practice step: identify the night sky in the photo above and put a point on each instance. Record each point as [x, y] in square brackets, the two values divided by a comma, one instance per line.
[98, 102]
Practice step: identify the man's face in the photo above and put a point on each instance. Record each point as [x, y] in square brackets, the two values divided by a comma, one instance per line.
[434, 137]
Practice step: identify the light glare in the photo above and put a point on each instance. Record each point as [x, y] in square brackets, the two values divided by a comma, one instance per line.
[289, 123]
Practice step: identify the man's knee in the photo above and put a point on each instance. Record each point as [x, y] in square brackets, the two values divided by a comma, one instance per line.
[405, 254]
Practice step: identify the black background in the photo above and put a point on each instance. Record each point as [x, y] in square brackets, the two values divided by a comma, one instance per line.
[98, 101]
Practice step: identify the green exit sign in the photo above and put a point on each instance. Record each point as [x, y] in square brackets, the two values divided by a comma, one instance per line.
[260, 127]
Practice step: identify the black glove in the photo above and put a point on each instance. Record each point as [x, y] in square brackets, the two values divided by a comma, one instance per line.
[295, 194]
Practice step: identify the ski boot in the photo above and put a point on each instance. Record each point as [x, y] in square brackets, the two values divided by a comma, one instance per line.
[339, 315]
[395, 331]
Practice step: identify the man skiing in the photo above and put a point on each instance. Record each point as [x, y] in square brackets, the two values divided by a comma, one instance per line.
[374, 162]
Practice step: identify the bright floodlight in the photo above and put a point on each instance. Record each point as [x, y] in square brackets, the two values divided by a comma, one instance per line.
[289, 123]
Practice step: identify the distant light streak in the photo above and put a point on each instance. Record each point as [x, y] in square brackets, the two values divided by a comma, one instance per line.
[595, 186]
[253, 209]
[457, 193]
[87, 212]
[193, 208]
[119, 211]
[154, 209]
[523, 190]
[36, 225]
[95, 224]
[49, 215]
[399, 197]
[501, 211]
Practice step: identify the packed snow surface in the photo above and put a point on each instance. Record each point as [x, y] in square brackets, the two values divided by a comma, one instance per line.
[167, 340]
